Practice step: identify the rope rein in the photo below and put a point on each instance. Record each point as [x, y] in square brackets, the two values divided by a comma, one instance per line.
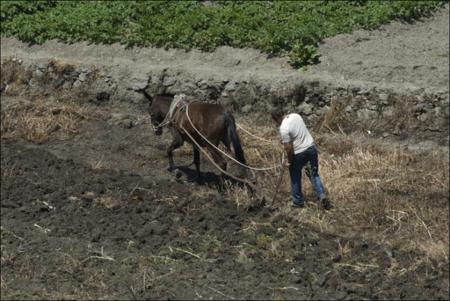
[169, 116]
[254, 136]
[215, 164]
[163, 123]
[221, 151]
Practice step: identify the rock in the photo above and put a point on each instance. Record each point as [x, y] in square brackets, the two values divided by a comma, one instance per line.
[437, 111]
[77, 84]
[363, 91]
[246, 108]
[388, 112]
[312, 117]
[169, 81]
[348, 109]
[323, 110]
[305, 108]
[67, 85]
[127, 123]
[82, 77]
[41, 67]
[231, 86]
[38, 74]
[138, 86]
[102, 97]
[88, 196]
[383, 98]
[203, 84]
[423, 117]
[372, 107]
[355, 90]
[366, 114]
[119, 116]
[420, 107]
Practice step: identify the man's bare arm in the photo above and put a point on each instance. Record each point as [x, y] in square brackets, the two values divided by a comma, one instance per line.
[289, 149]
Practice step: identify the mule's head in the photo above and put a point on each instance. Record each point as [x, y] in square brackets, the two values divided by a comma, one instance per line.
[156, 119]
[158, 109]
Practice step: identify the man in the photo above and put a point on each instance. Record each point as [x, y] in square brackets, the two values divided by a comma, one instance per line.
[301, 151]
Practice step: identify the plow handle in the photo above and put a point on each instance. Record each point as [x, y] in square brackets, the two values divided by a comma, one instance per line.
[280, 179]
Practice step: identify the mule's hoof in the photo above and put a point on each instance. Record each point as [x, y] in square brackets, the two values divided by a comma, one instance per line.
[197, 180]
[176, 171]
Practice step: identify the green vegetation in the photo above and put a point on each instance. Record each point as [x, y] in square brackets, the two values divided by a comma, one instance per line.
[291, 28]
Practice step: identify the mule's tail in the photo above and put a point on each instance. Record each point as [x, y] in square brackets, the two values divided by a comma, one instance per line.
[232, 134]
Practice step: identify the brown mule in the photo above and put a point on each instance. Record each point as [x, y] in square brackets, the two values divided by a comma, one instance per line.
[213, 121]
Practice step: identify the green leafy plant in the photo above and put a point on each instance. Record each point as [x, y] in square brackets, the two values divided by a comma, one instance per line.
[303, 55]
[280, 28]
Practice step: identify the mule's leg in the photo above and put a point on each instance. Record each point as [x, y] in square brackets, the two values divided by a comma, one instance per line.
[197, 163]
[177, 141]
[217, 157]
[227, 143]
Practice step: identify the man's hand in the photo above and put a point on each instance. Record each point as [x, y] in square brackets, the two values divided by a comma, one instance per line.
[289, 149]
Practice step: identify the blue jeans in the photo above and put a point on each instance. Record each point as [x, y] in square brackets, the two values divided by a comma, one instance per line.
[308, 158]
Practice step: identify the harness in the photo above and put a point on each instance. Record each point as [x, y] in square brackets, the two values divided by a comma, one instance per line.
[178, 104]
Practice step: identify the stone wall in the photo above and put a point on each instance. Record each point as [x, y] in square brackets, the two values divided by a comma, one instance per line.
[325, 106]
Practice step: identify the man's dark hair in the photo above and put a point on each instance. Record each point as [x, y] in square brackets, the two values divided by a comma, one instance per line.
[277, 113]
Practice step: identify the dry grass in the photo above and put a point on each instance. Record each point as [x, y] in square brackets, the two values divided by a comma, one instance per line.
[111, 199]
[99, 165]
[110, 202]
[384, 193]
[61, 66]
[241, 196]
[13, 76]
[335, 115]
[37, 120]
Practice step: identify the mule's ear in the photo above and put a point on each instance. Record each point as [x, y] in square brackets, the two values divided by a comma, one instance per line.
[148, 96]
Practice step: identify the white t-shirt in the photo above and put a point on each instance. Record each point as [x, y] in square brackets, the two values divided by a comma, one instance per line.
[293, 129]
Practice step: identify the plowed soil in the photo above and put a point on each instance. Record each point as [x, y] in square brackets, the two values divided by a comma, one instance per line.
[96, 215]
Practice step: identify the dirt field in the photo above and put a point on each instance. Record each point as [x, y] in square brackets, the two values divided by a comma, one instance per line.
[88, 211]
[94, 214]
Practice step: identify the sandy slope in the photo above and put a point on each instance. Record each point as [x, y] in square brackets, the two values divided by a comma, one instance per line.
[400, 54]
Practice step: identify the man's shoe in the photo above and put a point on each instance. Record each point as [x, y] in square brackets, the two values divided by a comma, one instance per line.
[294, 205]
[325, 204]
